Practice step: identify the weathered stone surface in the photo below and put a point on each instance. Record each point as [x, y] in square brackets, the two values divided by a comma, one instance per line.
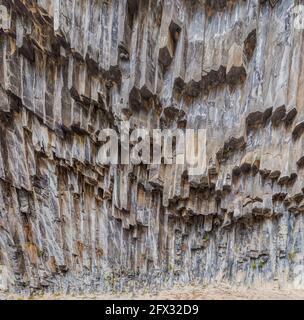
[71, 68]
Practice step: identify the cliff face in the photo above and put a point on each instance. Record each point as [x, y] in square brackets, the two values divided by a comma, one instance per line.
[70, 68]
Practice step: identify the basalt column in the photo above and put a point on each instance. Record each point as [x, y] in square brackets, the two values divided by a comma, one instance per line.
[70, 68]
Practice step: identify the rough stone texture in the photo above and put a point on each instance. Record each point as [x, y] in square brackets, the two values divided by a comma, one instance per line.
[72, 67]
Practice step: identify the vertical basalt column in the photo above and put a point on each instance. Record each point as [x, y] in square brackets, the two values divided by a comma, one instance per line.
[69, 69]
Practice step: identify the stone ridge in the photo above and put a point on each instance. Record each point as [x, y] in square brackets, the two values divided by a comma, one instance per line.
[70, 68]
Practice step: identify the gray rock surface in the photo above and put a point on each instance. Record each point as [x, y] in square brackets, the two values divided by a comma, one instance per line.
[70, 68]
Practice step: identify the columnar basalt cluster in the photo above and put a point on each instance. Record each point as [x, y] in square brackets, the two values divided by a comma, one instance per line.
[70, 68]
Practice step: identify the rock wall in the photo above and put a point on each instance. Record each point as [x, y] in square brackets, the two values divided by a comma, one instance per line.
[70, 68]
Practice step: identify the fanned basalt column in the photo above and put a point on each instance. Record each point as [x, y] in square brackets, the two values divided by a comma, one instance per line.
[71, 68]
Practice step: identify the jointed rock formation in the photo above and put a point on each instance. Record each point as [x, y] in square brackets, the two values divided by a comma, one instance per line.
[70, 68]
